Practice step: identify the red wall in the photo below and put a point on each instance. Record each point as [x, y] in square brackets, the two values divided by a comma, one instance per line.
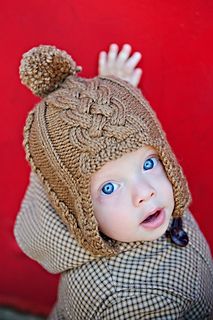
[176, 40]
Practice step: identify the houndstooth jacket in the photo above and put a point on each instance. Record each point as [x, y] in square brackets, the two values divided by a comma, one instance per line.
[150, 280]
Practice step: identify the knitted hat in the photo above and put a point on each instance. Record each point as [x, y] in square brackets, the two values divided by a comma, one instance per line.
[78, 126]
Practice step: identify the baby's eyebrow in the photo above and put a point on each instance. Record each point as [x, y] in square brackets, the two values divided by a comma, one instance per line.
[104, 181]
[97, 181]
[150, 152]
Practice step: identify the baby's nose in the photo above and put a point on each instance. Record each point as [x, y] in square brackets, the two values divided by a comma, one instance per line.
[142, 193]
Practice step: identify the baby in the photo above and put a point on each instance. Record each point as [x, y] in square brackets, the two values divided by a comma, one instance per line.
[107, 202]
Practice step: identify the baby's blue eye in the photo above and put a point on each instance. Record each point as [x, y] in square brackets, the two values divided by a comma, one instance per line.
[150, 163]
[109, 188]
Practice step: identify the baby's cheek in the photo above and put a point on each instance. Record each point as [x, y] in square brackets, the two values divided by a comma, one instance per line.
[165, 186]
[169, 194]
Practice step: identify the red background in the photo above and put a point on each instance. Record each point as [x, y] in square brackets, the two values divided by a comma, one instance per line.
[176, 40]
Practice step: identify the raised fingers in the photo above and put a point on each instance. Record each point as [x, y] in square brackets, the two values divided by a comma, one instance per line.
[120, 63]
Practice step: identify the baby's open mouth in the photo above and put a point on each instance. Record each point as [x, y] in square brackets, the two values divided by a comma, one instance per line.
[152, 217]
[154, 220]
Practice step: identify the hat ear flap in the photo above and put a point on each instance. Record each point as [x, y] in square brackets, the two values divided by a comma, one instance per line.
[44, 68]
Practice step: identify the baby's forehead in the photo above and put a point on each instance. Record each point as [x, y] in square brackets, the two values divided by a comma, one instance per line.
[130, 158]
[141, 153]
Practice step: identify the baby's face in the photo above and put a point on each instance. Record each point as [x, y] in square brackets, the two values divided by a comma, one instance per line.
[132, 197]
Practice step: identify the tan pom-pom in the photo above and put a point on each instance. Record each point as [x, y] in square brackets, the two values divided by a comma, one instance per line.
[43, 68]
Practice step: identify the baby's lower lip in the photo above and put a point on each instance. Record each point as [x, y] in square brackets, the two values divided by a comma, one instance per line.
[155, 220]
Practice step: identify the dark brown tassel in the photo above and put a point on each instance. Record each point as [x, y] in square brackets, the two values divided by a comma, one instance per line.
[177, 234]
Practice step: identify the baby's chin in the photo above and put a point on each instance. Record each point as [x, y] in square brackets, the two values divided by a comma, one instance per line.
[148, 237]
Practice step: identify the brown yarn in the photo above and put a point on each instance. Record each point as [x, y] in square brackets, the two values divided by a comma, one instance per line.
[42, 69]
[79, 127]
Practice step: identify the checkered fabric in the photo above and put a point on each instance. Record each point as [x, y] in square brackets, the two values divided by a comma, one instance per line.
[149, 280]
